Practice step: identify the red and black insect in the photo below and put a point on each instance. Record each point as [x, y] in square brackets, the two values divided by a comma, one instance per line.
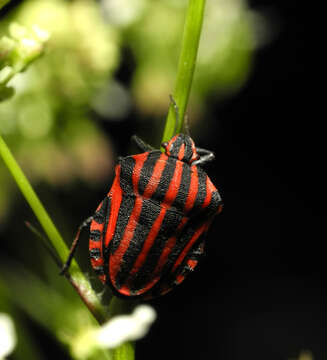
[148, 233]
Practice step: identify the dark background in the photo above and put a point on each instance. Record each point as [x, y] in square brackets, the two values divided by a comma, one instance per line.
[260, 293]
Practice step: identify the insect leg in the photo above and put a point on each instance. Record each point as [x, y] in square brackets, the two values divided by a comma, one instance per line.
[202, 151]
[74, 245]
[205, 156]
[141, 144]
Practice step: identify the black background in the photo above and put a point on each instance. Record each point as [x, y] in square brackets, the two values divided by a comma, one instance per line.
[260, 293]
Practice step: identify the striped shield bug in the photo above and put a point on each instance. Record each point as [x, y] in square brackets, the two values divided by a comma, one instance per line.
[148, 233]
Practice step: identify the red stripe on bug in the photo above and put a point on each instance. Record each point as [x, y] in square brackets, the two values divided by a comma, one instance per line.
[174, 185]
[208, 197]
[181, 152]
[191, 196]
[139, 162]
[155, 178]
[116, 198]
[115, 261]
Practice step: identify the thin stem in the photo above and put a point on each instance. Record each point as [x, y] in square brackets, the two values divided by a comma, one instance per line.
[3, 3]
[76, 277]
[125, 352]
[45, 243]
[187, 61]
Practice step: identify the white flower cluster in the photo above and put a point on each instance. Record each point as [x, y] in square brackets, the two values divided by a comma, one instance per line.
[123, 328]
[115, 332]
[30, 42]
[21, 47]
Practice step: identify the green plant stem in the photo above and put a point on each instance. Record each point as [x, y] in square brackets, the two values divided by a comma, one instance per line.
[125, 352]
[75, 276]
[187, 61]
[3, 3]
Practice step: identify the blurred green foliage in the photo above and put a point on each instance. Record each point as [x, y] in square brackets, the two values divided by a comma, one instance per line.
[224, 60]
[48, 121]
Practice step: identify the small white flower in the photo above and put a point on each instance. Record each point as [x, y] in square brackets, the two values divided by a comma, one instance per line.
[123, 328]
[17, 31]
[115, 332]
[7, 335]
[30, 43]
[41, 34]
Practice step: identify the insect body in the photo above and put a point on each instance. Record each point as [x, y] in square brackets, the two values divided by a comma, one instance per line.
[147, 234]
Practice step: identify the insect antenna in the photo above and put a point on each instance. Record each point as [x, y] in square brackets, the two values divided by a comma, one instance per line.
[45, 243]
